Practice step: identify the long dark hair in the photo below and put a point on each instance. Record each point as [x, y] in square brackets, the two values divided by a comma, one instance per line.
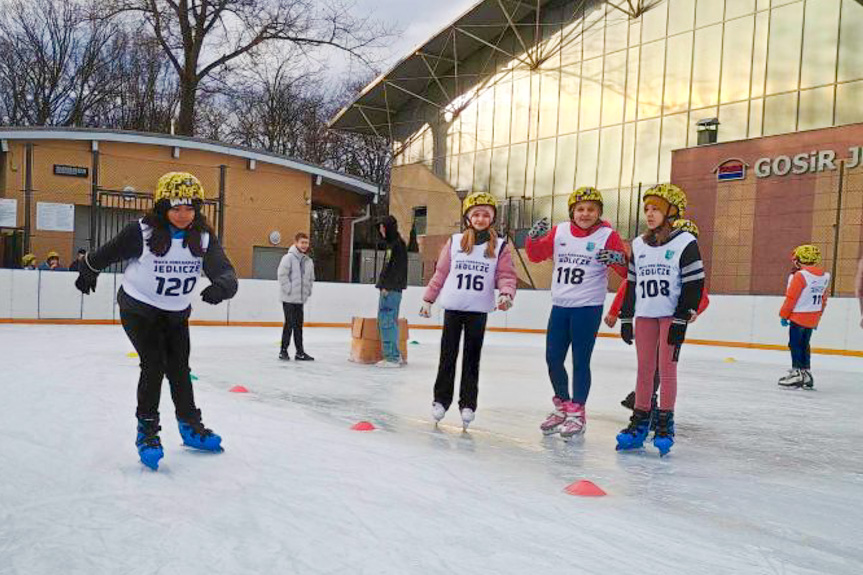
[160, 239]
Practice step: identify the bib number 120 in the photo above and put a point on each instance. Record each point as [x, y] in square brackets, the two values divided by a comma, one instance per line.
[171, 286]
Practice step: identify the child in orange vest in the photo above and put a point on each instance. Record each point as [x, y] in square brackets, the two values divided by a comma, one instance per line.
[805, 300]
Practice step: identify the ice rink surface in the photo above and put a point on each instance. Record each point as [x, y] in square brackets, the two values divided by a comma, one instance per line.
[761, 480]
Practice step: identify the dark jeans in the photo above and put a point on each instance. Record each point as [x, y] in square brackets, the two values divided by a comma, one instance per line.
[161, 339]
[574, 327]
[473, 325]
[293, 324]
[798, 342]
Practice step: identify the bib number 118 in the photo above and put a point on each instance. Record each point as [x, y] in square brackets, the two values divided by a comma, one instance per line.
[571, 276]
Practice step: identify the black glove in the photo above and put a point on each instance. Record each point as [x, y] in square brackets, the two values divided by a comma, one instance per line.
[677, 332]
[626, 333]
[539, 229]
[213, 294]
[86, 281]
[611, 257]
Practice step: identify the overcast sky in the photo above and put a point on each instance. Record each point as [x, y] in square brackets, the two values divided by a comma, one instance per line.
[418, 20]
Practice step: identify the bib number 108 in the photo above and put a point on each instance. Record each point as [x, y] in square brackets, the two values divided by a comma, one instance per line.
[171, 286]
[653, 288]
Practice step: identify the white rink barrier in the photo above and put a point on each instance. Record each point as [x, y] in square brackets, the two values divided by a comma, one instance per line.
[747, 321]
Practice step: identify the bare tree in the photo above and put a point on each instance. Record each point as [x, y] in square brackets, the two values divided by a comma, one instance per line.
[203, 37]
[57, 65]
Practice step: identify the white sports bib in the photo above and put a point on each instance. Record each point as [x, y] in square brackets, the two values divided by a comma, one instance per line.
[578, 279]
[470, 283]
[812, 297]
[658, 278]
[164, 282]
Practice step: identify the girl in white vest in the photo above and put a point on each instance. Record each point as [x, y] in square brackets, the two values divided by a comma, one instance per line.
[663, 290]
[470, 266]
[166, 252]
[583, 249]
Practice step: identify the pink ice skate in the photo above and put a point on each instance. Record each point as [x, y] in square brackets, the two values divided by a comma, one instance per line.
[575, 420]
[555, 419]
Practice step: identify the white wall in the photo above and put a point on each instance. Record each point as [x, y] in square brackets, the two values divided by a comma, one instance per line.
[736, 319]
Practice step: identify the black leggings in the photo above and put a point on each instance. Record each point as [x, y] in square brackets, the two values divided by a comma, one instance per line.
[161, 339]
[293, 323]
[473, 325]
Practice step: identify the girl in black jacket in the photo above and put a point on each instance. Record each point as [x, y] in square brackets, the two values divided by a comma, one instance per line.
[167, 250]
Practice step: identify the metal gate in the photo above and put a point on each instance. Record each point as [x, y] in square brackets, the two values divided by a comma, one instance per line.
[115, 209]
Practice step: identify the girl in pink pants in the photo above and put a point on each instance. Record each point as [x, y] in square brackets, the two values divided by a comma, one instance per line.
[663, 289]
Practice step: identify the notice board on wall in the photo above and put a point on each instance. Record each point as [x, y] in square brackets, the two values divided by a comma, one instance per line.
[51, 217]
[8, 213]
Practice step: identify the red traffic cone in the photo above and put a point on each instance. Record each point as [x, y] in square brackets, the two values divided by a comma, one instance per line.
[363, 426]
[238, 389]
[584, 488]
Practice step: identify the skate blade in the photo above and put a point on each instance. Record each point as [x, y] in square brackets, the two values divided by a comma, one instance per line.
[573, 437]
[550, 431]
[192, 449]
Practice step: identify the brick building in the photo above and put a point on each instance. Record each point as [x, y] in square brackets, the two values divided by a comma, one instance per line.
[63, 189]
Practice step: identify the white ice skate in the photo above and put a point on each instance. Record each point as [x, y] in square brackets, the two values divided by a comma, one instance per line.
[555, 419]
[808, 380]
[795, 378]
[388, 364]
[467, 416]
[438, 411]
[575, 421]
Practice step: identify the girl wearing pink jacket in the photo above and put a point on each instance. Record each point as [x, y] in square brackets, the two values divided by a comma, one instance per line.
[470, 266]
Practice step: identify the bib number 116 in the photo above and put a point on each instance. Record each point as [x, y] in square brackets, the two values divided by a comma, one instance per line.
[470, 282]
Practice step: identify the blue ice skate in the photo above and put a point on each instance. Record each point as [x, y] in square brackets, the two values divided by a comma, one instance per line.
[663, 439]
[148, 443]
[195, 435]
[636, 432]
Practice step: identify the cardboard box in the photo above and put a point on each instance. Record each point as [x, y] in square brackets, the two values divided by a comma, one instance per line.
[366, 342]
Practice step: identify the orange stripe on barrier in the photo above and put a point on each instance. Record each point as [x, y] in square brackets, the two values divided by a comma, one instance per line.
[206, 323]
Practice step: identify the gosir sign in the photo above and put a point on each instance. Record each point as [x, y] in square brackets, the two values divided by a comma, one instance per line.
[806, 163]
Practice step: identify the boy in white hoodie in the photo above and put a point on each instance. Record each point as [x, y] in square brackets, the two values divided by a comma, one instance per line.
[296, 278]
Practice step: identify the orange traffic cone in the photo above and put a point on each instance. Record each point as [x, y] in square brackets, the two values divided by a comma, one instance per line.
[584, 488]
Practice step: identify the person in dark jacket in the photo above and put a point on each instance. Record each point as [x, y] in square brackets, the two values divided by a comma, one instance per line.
[166, 251]
[76, 265]
[391, 281]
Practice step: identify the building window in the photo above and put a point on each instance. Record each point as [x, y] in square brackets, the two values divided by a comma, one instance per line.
[420, 220]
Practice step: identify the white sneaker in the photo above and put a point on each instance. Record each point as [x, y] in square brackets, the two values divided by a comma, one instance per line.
[388, 364]
[467, 416]
[438, 411]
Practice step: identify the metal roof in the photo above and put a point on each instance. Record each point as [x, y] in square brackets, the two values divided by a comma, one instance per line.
[437, 61]
[339, 179]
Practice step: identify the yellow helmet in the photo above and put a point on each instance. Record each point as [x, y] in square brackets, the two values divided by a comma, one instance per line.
[686, 226]
[28, 259]
[807, 254]
[179, 188]
[52, 254]
[583, 194]
[672, 194]
[478, 199]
